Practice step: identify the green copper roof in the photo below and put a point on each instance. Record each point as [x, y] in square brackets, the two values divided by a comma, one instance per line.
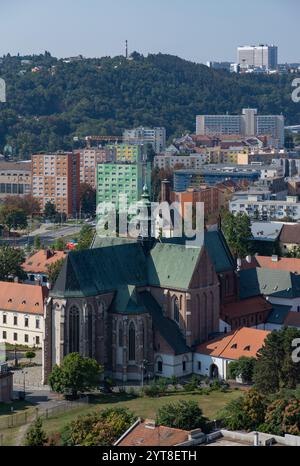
[268, 282]
[168, 329]
[127, 301]
[171, 265]
[218, 251]
[95, 271]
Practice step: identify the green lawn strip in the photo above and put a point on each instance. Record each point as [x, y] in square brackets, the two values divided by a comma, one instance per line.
[142, 406]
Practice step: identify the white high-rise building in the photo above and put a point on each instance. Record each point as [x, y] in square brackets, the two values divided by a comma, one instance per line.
[247, 124]
[258, 56]
[154, 136]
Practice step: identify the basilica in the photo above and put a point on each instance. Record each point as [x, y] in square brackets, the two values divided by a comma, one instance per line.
[139, 307]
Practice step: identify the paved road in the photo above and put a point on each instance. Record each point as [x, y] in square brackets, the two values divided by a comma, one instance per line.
[47, 234]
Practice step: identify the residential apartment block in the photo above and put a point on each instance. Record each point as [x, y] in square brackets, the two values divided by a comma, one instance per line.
[212, 174]
[15, 179]
[121, 183]
[154, 136]
[258, 56]
[131, 153]
[247, 124]
[88, 163]
[261, 208]
[186, 161]
[209, 195]
[56, 179]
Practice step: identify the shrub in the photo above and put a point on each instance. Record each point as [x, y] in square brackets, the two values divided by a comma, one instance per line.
[183, 414]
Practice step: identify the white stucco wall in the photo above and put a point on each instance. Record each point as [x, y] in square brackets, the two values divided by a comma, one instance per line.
[173, 365]
[206, 363]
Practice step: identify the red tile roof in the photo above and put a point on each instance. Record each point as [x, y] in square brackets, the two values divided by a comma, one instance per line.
[20, 297]
[282, 263]
[243, 342]
[245, 307]
[154, 436]
[38, 262]
[292, 319]
[290, 234]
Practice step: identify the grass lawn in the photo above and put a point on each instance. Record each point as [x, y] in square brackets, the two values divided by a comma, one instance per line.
[143, 406]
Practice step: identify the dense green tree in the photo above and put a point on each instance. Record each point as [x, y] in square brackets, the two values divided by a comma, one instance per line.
[101, 428]
[243, 367]
[237, 231]
[76, 374]
[275, 368]
[11, 260]
[86, 236]
[54, 269]
[184, 414]
[87, 200]
[15, 219]
[101, 96]
[36, 437]
[50, 211]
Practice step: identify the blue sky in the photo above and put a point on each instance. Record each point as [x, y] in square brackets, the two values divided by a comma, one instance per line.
[197, 30]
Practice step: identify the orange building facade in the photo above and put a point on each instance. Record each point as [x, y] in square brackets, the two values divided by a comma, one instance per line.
[209, 195]
[56, 179]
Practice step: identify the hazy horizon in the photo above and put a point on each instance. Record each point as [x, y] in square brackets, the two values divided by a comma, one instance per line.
[195, 30]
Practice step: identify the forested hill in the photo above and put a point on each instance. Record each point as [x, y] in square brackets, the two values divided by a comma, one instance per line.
[48, 106]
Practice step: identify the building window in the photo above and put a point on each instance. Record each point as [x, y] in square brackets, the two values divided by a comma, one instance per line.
[15, 337]
[199, 365]
[131, 342]
[26, 339]
[176, 313]
[26, 322]
[183, 366]
[15, 320]
[4, 335]
[74, 330]
[120, 337]
[37, 323]
[90, 331]
[159, 366]
[4, 320]
[37, 340]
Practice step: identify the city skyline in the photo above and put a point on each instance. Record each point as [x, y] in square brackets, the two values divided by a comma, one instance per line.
[166, 27]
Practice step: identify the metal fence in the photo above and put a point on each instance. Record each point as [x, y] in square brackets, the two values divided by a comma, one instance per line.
[28, 416]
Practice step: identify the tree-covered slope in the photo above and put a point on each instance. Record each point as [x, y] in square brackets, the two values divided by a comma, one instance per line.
[45, 109]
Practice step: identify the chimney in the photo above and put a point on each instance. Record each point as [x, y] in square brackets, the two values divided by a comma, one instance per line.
[149, 424]
[274, 258]
[48, 253]
[165, 191]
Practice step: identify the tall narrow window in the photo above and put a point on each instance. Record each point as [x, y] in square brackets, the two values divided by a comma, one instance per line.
[74, 330]
[176, 310]
[90, 331]
[120, 337]
[131, 342]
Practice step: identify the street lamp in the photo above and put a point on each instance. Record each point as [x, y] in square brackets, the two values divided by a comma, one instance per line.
[143, 367]
[24, 390]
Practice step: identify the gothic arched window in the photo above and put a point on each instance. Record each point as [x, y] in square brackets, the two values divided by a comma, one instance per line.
[90, 331]
[74, 329]
[131, 342]
[176, 313]
[120, 334]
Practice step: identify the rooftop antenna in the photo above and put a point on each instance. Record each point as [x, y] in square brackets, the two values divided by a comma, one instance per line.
[126, 49]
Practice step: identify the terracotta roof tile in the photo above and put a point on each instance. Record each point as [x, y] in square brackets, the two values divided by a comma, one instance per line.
[243, 342]
[157, 436]
[282, 263]
[246, 307]
[20, 297]
[38, 262]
